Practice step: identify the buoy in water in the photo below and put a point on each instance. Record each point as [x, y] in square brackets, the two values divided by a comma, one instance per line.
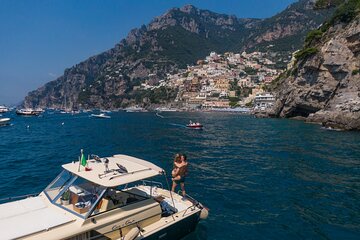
[204, 213]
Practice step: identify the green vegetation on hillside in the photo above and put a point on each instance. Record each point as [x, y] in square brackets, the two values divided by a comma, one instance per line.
[305, 53]
[322, 4]
[346, 12]
[250, 70]
[185, 47]
[313, 35]
[157, 96]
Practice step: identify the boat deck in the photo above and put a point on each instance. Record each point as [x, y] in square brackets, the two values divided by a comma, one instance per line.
[24, 217]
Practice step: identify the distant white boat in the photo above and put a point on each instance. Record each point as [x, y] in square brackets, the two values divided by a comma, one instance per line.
[101, 115]
[27, 112]
[4, 121]
[105, 111]
[39, 110]
[237, 110]
[69, 111]
[135, 109]
[165, 109]
[3, 109]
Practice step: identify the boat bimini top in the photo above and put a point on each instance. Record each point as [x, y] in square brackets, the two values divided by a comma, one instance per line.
[85, 186]
[114, 171]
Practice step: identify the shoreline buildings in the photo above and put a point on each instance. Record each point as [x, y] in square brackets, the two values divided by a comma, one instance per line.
[221, 81]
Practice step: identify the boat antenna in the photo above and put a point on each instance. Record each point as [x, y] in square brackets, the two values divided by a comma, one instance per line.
[106, 164]
[81, 152]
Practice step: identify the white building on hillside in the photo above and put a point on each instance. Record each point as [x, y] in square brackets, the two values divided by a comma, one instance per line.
[263, 101]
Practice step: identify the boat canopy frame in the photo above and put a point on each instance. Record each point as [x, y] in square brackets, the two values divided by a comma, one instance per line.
[106, 171]
[98, 173]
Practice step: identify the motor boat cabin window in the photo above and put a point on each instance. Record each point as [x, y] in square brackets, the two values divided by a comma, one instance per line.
[119, 197]
[74, 193]
[83, 196]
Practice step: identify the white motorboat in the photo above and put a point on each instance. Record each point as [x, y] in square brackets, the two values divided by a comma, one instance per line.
[165, 109]
[107, 199]
[27, 112]
[39, 110]
[3, 109]
[195, 125]
[101, 115]
[4, 121]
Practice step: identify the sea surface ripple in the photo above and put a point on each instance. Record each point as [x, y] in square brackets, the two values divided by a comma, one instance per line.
[261, 178]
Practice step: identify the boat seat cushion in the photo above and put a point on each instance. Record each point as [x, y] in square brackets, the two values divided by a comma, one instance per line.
[106, 204]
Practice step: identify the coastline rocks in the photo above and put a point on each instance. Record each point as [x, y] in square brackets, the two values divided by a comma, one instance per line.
[336, 120]
[325, 87]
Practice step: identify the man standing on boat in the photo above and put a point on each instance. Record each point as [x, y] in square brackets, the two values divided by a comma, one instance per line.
[180, 174]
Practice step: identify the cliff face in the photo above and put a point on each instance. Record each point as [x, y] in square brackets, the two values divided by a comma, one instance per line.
[325, 83]
[288, 28]
[179, 37]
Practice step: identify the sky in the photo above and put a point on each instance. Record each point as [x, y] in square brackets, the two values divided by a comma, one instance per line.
[39, 39]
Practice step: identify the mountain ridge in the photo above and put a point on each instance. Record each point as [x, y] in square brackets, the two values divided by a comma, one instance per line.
[169, 42]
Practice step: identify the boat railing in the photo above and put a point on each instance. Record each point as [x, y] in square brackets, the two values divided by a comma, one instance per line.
[4, 200]
[190, 198]
[152, 183]
[194, 202]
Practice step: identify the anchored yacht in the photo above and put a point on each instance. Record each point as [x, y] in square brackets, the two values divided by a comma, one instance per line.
[4, 121]
[101, 115]
[28, 112]
[3, 109]
[108, 198]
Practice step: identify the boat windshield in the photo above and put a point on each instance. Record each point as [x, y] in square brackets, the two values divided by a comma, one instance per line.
[58, 185]
[74, 194]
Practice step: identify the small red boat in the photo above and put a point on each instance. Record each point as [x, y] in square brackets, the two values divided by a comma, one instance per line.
[194, 125]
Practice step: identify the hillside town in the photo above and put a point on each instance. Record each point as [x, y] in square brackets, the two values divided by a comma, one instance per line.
[224, 81]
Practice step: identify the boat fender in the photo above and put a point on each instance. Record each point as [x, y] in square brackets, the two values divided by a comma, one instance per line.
[204, 214]
[132, 234]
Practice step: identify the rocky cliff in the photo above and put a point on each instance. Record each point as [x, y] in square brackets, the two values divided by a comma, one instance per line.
[169, 42]
[324, 85]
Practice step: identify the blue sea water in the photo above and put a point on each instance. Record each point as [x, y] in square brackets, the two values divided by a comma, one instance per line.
[261, 178]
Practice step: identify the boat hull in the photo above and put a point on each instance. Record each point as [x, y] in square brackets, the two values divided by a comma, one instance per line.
[198, 127]
[27, 113]
[4, 121]
[177, 230]
[99, 116]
